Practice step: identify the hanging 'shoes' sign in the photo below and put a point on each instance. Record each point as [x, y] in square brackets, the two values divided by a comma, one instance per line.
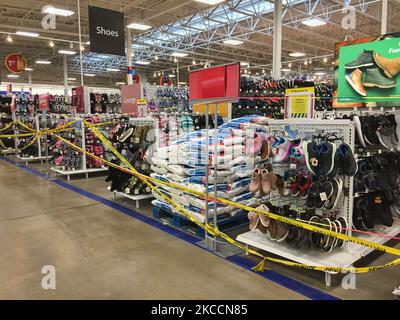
[107, 32]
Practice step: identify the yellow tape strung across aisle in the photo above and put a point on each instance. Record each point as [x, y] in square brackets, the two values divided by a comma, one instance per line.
[209, 227]
[216, 232]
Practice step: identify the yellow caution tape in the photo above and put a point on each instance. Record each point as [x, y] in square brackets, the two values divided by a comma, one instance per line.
[216, 232]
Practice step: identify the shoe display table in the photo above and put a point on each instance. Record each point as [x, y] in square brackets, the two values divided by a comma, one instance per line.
[133, 197]
[26, 160]
[343, 258]
[69, 173]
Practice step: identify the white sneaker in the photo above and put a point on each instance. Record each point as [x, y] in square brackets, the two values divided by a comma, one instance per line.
[396, 291]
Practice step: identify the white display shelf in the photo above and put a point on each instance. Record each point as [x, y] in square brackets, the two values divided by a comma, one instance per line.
[342, 258]
[69, 173]
[31, 159]
[133, 197]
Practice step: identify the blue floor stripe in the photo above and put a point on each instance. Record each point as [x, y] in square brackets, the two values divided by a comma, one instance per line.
[289, 283]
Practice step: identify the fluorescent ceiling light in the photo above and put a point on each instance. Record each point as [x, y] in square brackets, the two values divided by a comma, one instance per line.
[297, 54]
[179, 54]
[58, 11]
[89, 74]
[314, 22]
[12, 76]
[42, 62]
[28, 69]
[66, 52]
[171, 75]
[243, 63]
[71, 79]
[233, 42]
[320, 73]
[286, 70]
[112, 69]
[142, 62]
[139, 26]
[27, 34]
[210, 2]
[119, 83]
[182, 83]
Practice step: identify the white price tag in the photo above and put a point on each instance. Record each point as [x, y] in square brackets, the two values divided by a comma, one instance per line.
[379, 151]
[368, 154]
[323, 196]
[293, 166]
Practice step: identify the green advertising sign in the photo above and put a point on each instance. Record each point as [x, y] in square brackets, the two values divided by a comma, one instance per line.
[370, 72]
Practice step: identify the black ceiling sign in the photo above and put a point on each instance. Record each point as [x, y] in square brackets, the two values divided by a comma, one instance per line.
[107, 31]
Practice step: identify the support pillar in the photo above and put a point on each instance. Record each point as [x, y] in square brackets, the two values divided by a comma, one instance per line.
[277, 49]
[384, 17]
[65, 65]
[129, 53]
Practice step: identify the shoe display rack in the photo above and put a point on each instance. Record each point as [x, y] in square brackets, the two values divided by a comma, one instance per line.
[38, 146]
[79, 133]
[339, 257]
[138, 195]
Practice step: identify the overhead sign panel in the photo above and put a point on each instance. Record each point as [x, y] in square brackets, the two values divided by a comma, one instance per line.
[107, 32]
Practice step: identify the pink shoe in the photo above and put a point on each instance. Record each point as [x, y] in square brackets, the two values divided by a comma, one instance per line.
[265, 181]
[253, 146]
[282, 149]
[255, 181]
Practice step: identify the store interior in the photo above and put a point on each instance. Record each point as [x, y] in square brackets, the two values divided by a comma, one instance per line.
[205, 149]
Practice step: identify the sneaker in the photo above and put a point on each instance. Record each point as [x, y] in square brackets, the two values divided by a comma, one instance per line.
[355, 80]
[264, 220]
[370, 125]
[297, 154]
[375, 78]
[331, 203]
[255, 183]
[266, 151]
[265, 181]
[282, 147]
[391, 67]
[255, 222]
[359, 131]
[319, 157]
[294, 186]
[364, 59]
[348, 165]
[304, 184]
[381, 209]
[253, 146]
[324, 192]
[393, 132]
[312, 195]
[396, 291]
[357, 215]
[384, 132]
[367, 217]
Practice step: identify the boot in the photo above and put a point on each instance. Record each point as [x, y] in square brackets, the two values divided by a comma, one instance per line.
[391, 67]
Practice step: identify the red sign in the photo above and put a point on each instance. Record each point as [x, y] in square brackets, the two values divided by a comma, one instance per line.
[216, 82]
[44, 102]
[129, 96]
[15, 62]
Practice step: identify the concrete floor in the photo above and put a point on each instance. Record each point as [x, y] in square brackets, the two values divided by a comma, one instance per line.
[100, 253]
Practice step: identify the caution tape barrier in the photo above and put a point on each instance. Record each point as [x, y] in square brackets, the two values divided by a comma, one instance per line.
[213, 230]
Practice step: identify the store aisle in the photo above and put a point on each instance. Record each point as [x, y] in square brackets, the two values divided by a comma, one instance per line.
[100, 253]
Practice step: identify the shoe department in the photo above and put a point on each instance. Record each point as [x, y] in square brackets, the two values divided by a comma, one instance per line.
[278, 144]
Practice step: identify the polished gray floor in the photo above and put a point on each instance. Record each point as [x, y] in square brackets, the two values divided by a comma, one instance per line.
[100, 253]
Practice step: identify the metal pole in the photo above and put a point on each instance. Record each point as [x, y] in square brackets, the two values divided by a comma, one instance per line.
[206, 236]
[80, 40]
[129, 53]
[277, 44]
[65, 75]
[384, 17]
[30, 81]
[215, 155]
[46, 144]
[177, 72]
